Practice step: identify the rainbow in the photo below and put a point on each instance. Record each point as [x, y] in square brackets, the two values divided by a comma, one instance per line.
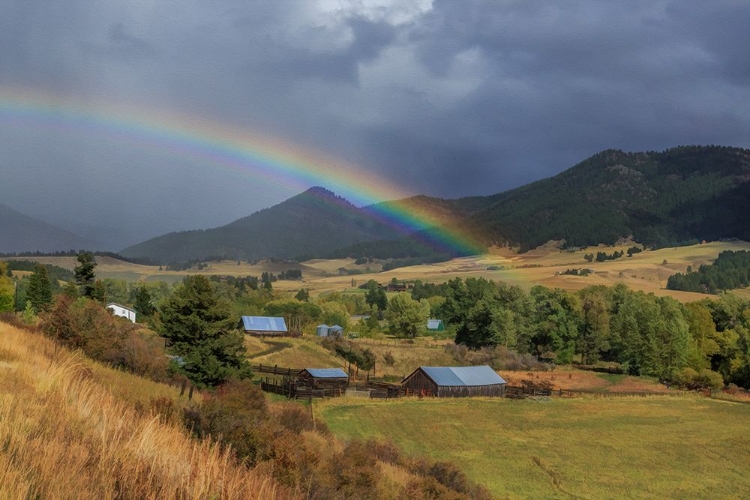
[250, 155]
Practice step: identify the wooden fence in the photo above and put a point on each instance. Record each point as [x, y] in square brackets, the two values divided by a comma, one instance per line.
[276, 370]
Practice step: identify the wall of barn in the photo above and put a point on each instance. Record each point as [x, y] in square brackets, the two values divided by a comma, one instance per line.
[418, 383]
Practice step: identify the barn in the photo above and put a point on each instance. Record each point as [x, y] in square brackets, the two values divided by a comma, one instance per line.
[262, 326]
[454, 381]
[323, 378]
[121, 311]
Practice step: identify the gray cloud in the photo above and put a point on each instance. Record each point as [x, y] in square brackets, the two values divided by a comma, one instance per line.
[443, 98]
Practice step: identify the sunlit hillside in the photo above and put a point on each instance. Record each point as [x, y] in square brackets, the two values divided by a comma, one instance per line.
[647, 271]
[65, 435]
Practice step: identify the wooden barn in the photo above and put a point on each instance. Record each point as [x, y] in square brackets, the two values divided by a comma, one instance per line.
[262, 326]
[454, 382]
[323, 378]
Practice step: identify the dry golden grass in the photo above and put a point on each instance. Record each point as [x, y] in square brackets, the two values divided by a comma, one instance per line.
[644, 271]
[572, 379]
[66, 436]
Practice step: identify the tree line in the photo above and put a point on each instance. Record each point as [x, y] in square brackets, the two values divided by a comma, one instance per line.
[730, 270]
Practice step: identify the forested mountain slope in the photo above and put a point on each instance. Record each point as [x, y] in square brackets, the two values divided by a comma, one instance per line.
[660, 198]
[313, 223]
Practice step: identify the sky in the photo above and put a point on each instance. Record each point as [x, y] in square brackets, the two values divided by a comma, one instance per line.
[444, 98]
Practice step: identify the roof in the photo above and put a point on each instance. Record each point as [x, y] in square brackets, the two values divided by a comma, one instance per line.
[434, 324]
[115, 304]
[326, 372]
[263, 324]
[462, 376]
[335, 327]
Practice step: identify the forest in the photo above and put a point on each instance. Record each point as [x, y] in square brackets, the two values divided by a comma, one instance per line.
[730, 270]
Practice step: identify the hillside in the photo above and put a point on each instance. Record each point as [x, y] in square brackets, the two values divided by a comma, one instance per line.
[313, 223]
[659, 198]
[21, 233]
[669, 198]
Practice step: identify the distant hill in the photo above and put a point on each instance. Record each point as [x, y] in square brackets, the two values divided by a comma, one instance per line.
[668, 198]
[311, 224]
[21, 233]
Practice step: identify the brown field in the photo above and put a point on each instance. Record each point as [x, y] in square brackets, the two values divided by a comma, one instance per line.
[579, 380]
[644, 271]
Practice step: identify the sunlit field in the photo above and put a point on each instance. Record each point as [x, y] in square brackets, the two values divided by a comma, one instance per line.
[629, 447]
[647, 271]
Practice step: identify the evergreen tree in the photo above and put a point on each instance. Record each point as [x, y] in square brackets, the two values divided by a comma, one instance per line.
[39, 292]
[84, 272]
[376, 296]
[143, 304]
[7, 290]
[200, 333]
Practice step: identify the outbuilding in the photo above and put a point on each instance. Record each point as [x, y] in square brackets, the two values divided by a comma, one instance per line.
[263, 326]
[323, 378]
[454, 381]
[435, 325]
[122, 311]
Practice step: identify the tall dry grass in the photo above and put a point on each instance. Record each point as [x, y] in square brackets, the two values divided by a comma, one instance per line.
[62, 435]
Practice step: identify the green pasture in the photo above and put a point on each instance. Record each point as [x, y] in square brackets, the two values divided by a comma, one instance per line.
[630, 447]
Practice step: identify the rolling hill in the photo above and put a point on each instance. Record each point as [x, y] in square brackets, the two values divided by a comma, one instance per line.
[677, 196]
[21, 233]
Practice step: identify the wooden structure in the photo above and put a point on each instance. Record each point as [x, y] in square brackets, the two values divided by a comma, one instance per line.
[263, 326]
[323, 378]
[454, 381]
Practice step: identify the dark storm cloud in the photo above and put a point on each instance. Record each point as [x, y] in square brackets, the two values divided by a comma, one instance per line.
[446, 98]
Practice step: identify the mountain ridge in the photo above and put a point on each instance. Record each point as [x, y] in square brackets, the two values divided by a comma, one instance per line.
[22, 233]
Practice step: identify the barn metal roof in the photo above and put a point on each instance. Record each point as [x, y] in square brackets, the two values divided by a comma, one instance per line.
[434, 324]
[263, 324]
[458, 376]
[327, 372]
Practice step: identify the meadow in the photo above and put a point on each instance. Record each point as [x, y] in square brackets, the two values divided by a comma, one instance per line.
[647, 271]
[624, 447]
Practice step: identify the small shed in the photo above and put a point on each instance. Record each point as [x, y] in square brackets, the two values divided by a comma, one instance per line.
[262, 326]
[122, 311]
[335, 331]
[321, 330]
[435, 325]
[323, 378]
[455, 381]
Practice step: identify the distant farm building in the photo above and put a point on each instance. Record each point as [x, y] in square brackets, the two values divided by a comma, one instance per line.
[122, 311]
[323, 378]
[329, 331]
[454, 381]
[435, 325]
[263, 326]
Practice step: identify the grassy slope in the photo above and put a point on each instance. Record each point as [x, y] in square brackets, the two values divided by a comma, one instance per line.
[69, 429]
[644, 271]
[657, 447]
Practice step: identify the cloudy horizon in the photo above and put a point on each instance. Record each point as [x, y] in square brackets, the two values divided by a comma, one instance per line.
[443, 98]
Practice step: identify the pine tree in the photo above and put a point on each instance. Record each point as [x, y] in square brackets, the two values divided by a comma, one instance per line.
[39, 292]
[143, 304]
[200, 333]
[84, 272]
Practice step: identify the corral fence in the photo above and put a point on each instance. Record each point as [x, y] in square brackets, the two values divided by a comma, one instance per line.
[276, 370]
[291, 390]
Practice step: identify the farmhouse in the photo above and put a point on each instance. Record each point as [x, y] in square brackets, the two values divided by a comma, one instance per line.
[122, 311]
[435, 325]
[454, 381]
[262, 326]
[323, 378]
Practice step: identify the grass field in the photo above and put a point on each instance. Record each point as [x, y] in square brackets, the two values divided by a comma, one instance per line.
[655, 447]
[645, 271]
